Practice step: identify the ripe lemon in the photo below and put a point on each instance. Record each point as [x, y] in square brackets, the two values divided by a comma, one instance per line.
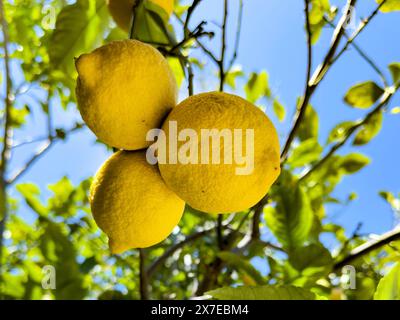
[124, 89]
[122, 10]
[131, 203]
[219, 188]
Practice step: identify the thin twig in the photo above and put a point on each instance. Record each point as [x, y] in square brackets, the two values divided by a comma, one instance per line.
[78, 126]
[237, 40]
[368, 247]
[171, 250]
[363, 55]
[189, 15]
[221, 63]
[358, 31]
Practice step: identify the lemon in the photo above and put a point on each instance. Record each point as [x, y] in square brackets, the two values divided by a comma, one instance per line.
[131, 203]
[220, 187]
[124, 89]
[122, 10]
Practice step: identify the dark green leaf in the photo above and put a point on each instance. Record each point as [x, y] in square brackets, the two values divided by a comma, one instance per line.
[311, 256]
[395, 71]
[242, 265]
[353, 163]
[262, 293]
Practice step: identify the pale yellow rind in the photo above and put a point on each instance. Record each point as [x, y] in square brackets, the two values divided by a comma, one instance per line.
[132, 204]
[217, 188]
[125, 89]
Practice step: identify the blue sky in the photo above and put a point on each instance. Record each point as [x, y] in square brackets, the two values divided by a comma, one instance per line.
[273, 39]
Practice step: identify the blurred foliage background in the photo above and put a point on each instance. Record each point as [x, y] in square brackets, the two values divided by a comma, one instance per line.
[39, 41]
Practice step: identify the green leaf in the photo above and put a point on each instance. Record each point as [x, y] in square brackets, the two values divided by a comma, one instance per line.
[369, 130]
[279, 110]
[391, 199]
[389, 286]
[340, 132]
[17, 116]
[363, 95]
[242, 265]
[79, 29]
[309, 127]
[291, 219]
[305, 153]
[395, 71]
[390, 5]
[151, 24]
[31, 193]
[353, 163]
[257, 87]
[262, 293]
[232, 76]
[177, 70]
[318, 9]
[311, 256]
[60, 253]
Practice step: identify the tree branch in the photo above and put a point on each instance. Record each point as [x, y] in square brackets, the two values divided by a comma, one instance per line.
[144, 284]
[7, 135]
[363, 55]
[307, 91]
[358, 31]
[368, 247]
[171, 250]
[221, 62]
[237, 40]
[384, 101]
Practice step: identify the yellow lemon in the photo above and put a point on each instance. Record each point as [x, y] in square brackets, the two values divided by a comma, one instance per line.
[122, 10]
[131, 203]
[124, 89]
[226, 155]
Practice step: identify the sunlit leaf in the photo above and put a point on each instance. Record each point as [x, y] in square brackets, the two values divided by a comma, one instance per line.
[79, 29]
[369, 130]
[340, 132]
[279, 110]
[390, 5]
[257, 87]
[363, 95]
[389, 286]
[305, 153]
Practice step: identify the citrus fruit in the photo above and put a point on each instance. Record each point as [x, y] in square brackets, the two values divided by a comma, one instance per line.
[124, 89]
[122, 10]
[220, 186]
[131, 203]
